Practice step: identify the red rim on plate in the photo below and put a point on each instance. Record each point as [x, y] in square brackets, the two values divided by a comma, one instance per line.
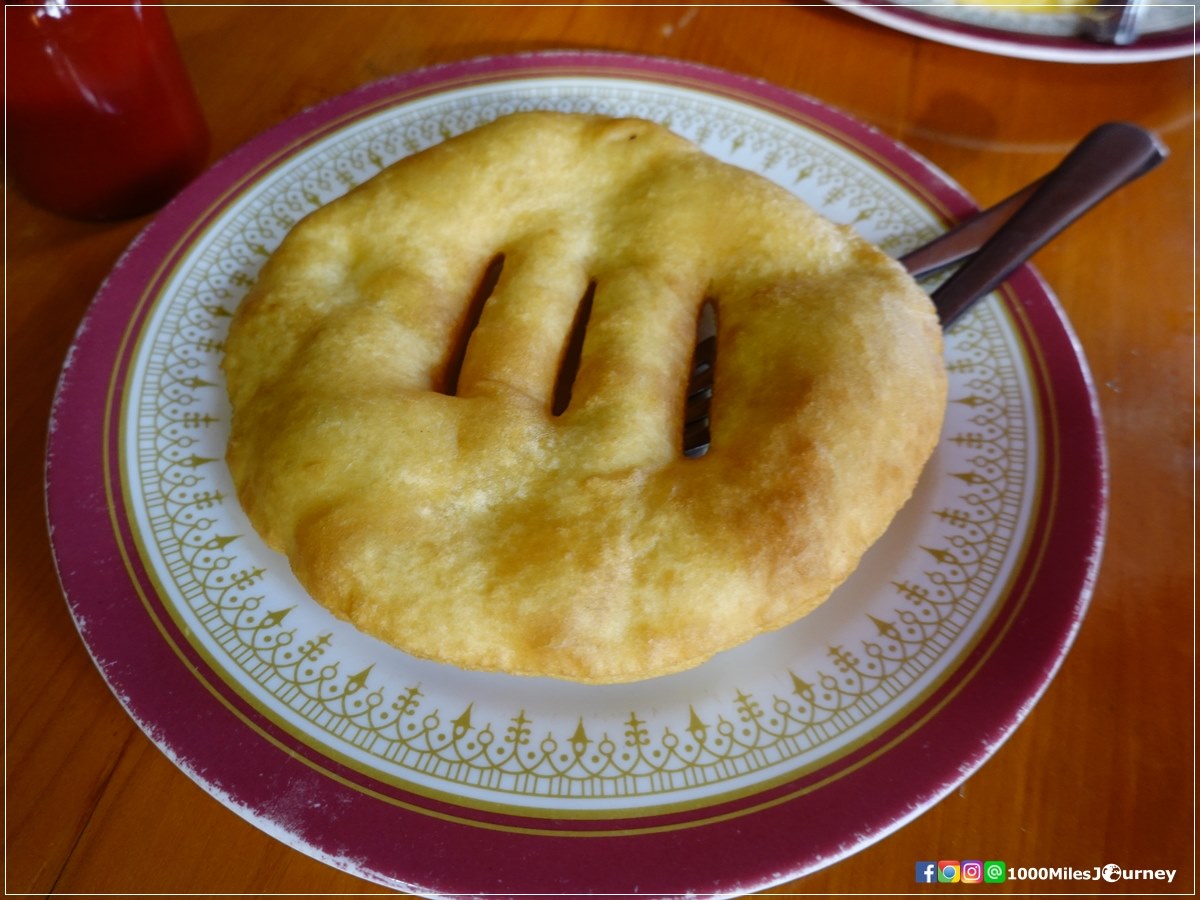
[382, 831]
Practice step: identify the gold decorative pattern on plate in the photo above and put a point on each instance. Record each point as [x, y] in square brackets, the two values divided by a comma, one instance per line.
[526, 742]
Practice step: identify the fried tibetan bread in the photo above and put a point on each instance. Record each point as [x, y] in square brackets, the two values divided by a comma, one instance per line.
[395, 431]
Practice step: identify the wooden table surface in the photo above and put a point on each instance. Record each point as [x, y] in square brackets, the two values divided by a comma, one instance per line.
[1103, 770]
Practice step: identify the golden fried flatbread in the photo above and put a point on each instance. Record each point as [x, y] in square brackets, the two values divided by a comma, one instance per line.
[441, 501]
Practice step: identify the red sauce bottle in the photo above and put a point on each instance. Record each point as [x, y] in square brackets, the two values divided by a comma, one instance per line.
[102, 121]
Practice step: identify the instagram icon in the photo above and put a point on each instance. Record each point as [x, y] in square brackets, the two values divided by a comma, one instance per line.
[972, 871]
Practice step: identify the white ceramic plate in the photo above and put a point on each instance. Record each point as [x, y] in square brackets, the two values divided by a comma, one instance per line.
[1167, 29]
[770, 760]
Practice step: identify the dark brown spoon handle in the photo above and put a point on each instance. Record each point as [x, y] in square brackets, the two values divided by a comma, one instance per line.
[1109, 157]
[966, 237]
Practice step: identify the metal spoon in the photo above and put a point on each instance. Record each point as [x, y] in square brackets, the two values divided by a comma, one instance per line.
[1113, 23]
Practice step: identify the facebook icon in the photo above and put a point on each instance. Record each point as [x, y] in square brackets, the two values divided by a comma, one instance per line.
[926, 873]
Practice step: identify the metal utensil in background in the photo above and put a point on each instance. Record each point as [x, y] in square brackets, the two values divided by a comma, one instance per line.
[1117, 23]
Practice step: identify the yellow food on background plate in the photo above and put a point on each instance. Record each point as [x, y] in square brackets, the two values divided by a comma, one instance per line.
[411, 430]
[1030, 5]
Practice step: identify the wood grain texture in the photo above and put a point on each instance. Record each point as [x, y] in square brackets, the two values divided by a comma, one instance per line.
[1102, 770]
